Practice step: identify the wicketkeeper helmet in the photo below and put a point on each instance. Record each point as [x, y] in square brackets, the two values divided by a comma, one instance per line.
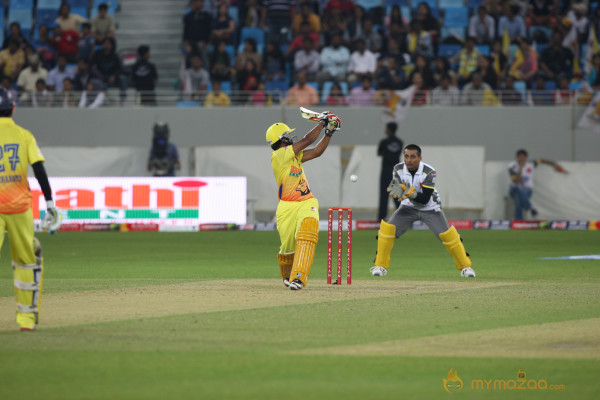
[277, 132]
[7, 100]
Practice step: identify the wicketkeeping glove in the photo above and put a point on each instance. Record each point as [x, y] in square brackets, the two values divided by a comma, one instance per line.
[52, 219]
[396, 189]
[410, 192]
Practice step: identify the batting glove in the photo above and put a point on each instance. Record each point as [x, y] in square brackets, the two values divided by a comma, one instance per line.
[52, 219]
[324, 118]
[334, 118]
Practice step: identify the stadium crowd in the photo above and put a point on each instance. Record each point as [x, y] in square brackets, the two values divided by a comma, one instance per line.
[479, 52]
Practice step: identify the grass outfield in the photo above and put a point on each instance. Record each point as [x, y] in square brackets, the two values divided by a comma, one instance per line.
[205, 316]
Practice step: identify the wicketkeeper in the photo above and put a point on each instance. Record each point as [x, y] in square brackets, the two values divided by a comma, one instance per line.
[18, 149]
[298, 209]
[414, 184]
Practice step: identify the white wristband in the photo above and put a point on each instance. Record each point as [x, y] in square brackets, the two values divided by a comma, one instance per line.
[49, 204]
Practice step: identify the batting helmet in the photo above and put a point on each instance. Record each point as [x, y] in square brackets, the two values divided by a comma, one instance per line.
[278, 131]
[7, 100]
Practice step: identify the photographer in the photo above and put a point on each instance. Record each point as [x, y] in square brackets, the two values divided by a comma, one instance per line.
[164, 158]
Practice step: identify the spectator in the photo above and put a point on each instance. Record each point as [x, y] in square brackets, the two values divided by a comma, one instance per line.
[250, 52]
[593, 77]
[441, 67]
[482, 26]
[363, 95]
[260, 98]
[555, 59]
[445, 94]
[223, 25]
[197, 28]
[29, 76]
[334, 61]
[394, 17]
[389, 74]
[521, 181]
[298, 41]
[93, 96]
[336, 96]
[562, 95]
[41, 97]
[220, 63]
[372, 38]
[498, 59]
[103, 25]
[362, 62]
[250, 14]
[356, 22]
[477, 92]
[145, 77]
[428, 21]
[68, 21]
[345, 7]
[579, 24]
[495, 8]
[276, 18]
[423, 68]
[44, 48]
[513, 23]
[15, 33]
[540, 13]
[307, 60]
[57, 76]
[84, 75]
[392, 49]
[248, 80]
[398, 34]
[418, 41]
[539, 95]
[12, 59]
[66, 98]
[302, 94]
[66, 42]
[273, 63]
[87, 42]
[306, 14]
[510, 96]
[336, 22]
[525, 65]
[108, 64]
[217, 97]
[195, 79]
[468, 59]
[487, 72]
[421, 94]
[7, 84]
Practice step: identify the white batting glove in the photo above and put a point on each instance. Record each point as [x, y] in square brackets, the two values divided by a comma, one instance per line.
[52, 219]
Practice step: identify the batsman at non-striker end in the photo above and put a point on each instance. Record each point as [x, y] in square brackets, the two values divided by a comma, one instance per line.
[413, 183]
[298, 209]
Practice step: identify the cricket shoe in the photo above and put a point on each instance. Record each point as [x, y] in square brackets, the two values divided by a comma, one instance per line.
[378, 271]
[27, 329]
[467, 272]
[296, 284]
[286, 282]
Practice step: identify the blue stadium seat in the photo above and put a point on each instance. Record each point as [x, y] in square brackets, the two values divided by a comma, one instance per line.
[368, 4]
[188, 104]
[26, 32]
[431, 3]
[550, 85]
[451, 3]
[112, 4]
[401, 3]
[457, 33]
[46, 4]
[22, 16]
[45, 17]
[21, 5]
[314, 84]
[78, 3]
[272, 86]
[226, 87]
[541, 47]
[259, 47]
[1, 26]
[473, 3]
[405, 11]
[484, 49]
[456, 18]
[83, 11]
[448, 50]
[575, 85]
[233, 12]
[327, 88]
[521, 86]
[255, 33]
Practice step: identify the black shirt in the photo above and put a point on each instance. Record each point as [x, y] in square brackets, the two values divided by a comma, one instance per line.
[198, 26]
[144, 74]
[390, 150]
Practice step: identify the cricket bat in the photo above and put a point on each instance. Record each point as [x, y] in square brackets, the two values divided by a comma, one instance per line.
[311, 115]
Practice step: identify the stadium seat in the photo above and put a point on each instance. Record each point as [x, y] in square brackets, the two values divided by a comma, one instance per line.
[226, 87]
[550, 85]
[368, 4]
[230, 49]
[451, 3]
[233, 12]
[45, 17]
[575, 85]
[484, 49]
[112, 4]
[541, 47]
[2, 26]
[457, 34]
[401, 3]
[314, 84]
[26, 32]
[259, 47]
[272, 86]
[521, 87]
[456, 17]
[448, 50]
[49, 4]
[21, 5]
[78, 3]
[83, 11]
[22, 16]
[255, 33]
[188, 104]
[327, 88]
[473, 3]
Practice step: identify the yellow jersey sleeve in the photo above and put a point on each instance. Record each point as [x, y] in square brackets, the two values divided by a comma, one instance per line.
[289, 174]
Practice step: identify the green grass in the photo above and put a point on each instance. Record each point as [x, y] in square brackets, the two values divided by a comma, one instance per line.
[258, 353]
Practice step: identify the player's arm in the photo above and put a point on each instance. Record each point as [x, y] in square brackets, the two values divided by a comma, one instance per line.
[318, 150]
[51, 219]
[554, 164]
[309, 138]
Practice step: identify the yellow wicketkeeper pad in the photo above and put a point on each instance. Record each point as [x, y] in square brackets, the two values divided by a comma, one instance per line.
[285, 264]
[385, 243]
[451, 239]
[306, 243]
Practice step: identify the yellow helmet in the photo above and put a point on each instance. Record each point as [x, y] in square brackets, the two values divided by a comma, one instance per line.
[278, 131]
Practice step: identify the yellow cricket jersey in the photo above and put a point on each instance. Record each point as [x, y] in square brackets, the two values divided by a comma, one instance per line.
[289, 174]
[18, 149]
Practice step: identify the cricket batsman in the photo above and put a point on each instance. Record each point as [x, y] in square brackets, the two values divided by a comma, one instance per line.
[18, 149]
[298, 209]
[413, 183]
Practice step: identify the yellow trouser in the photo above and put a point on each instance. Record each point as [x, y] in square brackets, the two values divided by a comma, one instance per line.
[27, 270]
[290, 215]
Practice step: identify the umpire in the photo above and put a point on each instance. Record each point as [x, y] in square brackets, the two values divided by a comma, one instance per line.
[390, 150]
